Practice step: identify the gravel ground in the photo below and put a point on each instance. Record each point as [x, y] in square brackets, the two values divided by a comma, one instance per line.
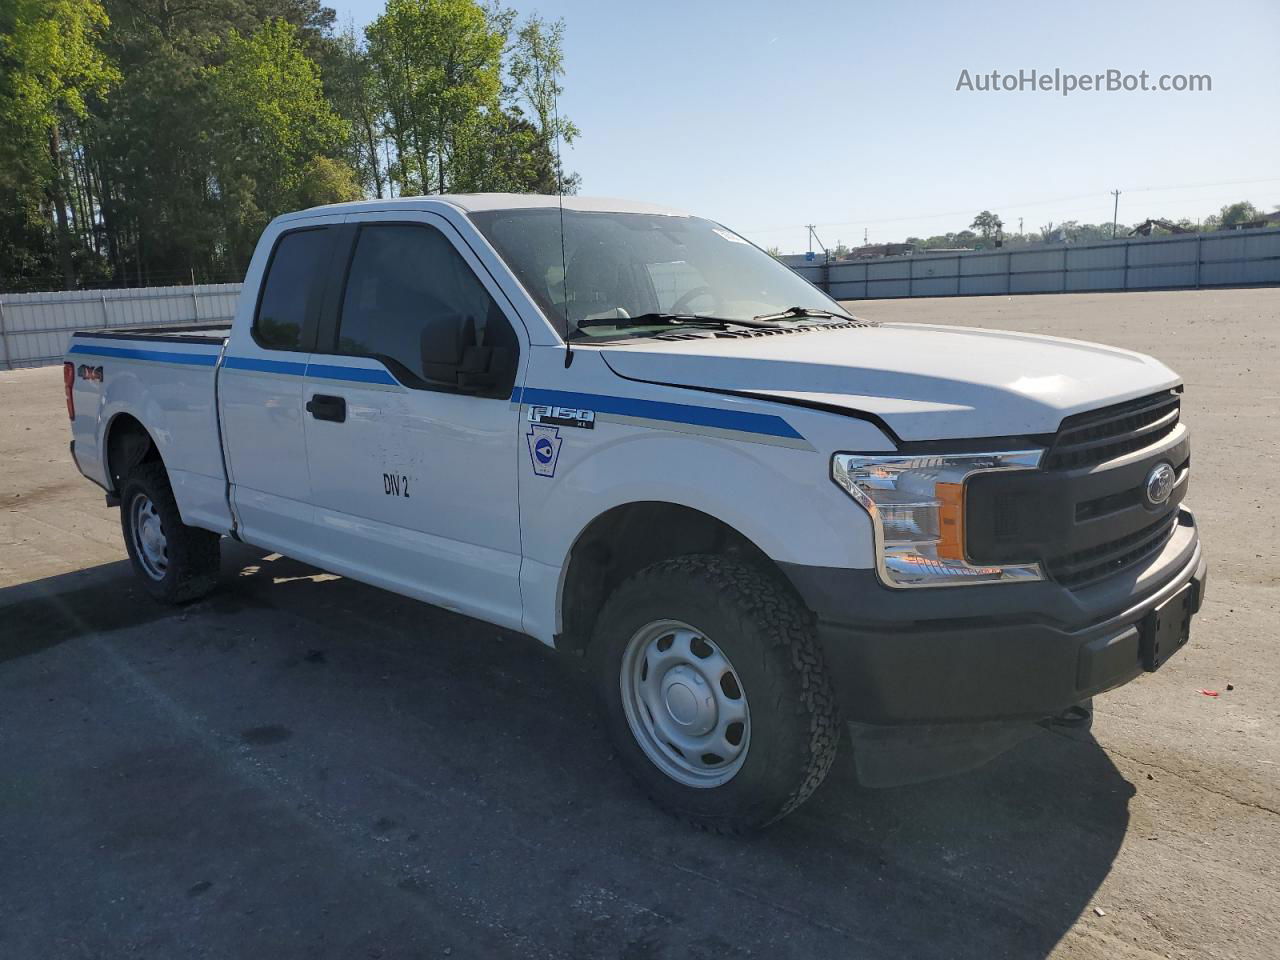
[302, 766]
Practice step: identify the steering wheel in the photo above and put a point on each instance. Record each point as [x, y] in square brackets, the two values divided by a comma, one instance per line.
[682, 305]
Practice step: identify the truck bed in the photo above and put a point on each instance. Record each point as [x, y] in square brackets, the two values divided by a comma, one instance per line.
[206, 333]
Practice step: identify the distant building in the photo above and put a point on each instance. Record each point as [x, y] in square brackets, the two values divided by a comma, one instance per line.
[1269, 220]
[873, 250]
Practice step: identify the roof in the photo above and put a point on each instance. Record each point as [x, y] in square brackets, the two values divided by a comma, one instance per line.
[476, 202]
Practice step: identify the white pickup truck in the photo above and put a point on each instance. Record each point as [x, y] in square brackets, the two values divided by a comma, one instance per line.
[632, 435]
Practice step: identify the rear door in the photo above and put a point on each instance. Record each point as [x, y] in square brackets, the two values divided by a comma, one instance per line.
[411, 436]
[260, 386]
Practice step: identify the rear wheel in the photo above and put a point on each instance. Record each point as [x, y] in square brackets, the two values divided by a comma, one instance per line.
[176, 563]
[715, 692]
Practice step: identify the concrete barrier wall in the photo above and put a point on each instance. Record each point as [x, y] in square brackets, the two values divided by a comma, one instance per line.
[35, 327]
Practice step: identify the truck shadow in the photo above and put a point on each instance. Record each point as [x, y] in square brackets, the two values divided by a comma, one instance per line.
[465, 765]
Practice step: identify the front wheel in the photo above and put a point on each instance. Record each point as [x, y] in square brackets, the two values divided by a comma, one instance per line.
[715, 692]
[176, 563]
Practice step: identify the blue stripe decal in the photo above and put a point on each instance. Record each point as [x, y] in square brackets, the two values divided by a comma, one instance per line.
[287, 367]
[161, 356]
[354, 374]
[742, 420]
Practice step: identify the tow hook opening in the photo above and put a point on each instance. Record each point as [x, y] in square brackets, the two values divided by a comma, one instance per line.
[1077, 717]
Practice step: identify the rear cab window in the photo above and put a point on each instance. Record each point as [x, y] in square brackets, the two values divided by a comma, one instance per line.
[291, 289]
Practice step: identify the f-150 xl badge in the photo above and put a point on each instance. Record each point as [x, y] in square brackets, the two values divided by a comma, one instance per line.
[562, 416]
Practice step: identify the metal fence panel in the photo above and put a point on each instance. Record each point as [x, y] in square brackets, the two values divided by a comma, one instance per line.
[1161, 253]
[988, 284]
[1228, 258]
[35, 327]
[1037, 261]
[971, 266]
[1095, 280]
[1096, 258]
[889, 269]
[1042, 281]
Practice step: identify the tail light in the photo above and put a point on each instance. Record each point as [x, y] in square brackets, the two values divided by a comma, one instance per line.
[68, 383]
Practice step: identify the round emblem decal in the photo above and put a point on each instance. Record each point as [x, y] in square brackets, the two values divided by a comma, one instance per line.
[545, 451]
[1160, 483]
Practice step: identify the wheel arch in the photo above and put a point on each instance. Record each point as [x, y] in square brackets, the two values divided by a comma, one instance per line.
[126, 443]
[629, 537]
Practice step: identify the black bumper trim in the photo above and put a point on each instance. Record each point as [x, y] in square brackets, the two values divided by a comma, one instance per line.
[905, 660]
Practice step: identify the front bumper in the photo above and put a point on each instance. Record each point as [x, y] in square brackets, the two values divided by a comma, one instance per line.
[992, 653]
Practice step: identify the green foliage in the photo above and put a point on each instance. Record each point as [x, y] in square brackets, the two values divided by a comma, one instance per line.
[987, 224]
[439, 69]
[52, 70]
[271, 125]
[1235, 214]
[153, 146]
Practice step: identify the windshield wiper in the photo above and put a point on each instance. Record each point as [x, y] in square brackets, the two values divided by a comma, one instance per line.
[656, 319]
[795, 313]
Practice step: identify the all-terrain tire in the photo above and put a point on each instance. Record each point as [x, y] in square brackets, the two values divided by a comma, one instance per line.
[191, 554]
[768, 636]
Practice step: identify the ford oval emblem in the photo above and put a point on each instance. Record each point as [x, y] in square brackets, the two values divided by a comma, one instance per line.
[1160, 483]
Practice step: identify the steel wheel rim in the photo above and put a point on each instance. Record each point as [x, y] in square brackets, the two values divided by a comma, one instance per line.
[685, 704]
[147, 532]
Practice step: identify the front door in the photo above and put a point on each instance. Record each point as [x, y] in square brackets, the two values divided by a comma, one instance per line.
[411, 436]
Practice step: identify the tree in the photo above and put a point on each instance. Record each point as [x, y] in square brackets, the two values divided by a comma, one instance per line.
[503, 153]
[147, 141]
[347, 71]
[53, 68]
[438, 65]
[537, 63]
[1234, 214]
[987, 224]
[273, 124]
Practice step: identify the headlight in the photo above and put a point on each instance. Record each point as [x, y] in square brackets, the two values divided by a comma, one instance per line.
[917, 508]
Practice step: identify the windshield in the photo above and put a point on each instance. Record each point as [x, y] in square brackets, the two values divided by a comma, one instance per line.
[640, 265]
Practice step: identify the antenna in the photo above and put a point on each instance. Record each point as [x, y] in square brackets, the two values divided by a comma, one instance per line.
[564, 263]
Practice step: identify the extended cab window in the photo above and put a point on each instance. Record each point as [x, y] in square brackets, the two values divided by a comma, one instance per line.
[414, 303]
[298, 265]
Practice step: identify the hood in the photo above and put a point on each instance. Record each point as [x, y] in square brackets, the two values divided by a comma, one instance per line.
[926, 382]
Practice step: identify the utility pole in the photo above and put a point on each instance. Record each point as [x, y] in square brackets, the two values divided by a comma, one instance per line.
[813, 236]
[864, 236]
[1019, 226]
[1115, 213]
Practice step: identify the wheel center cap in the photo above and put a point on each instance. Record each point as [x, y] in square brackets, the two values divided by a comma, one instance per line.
[682, 704]
[689, 701]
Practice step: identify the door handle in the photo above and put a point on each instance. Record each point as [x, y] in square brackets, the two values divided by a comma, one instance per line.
[324, 407]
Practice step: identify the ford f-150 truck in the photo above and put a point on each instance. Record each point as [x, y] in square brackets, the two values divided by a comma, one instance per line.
[632, 435]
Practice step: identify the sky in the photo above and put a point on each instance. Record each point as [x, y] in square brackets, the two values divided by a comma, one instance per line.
[770, 115]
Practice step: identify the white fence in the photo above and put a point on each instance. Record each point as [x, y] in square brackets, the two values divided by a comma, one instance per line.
[35, 327]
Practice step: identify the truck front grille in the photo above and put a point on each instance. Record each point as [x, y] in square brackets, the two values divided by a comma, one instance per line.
[1095, 437]
[1084, 515]
[1083, 567]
